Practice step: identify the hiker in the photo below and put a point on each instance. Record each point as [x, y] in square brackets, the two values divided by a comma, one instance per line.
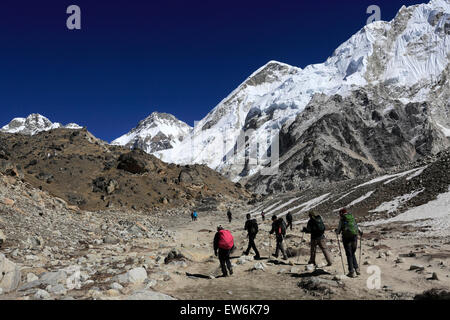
[289, 220]
[279, 228]
[252, 229]
[229, 215]
[349, 229]
[224, 243]
[263, 216]
[194, 216]
[316, 228]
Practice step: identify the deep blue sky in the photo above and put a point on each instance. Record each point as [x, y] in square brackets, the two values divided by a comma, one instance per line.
[138, 56]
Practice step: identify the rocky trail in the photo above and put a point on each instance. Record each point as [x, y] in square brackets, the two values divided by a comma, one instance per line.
[49, 251]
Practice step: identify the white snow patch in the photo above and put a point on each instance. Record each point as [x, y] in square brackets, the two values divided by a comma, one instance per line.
[393, 205]
[445, 131]
[367, 195]
[435, 213]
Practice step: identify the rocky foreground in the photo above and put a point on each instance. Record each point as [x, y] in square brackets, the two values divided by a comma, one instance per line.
[51, 250]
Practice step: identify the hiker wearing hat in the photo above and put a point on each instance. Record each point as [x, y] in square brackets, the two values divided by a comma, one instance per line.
[316, 228]
[252, 229]
[349, 229]
[224, 243]
[279, 228]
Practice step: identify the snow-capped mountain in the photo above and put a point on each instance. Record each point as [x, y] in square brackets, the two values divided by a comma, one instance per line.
[404, 59]
[159, 131]
[33, 124]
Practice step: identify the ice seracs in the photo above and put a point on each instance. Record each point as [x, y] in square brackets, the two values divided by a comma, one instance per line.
[34, 124]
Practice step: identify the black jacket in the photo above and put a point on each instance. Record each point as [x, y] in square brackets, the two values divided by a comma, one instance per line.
[248, 224]
[312, 229]
[289, 217]
[276, 226]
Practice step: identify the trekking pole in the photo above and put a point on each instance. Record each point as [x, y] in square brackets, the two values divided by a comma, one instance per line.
[360, 250]
[340, 252]
[301, 242]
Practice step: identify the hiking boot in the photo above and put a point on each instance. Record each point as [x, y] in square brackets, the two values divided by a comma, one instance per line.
[285, 258]
[330, 264]
[231, 272]
[245, 253]
[257, 257]
[351, 275]
[357, 272]
[275, 256]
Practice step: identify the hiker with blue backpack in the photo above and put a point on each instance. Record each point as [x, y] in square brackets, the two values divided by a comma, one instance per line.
[350, 230]
[316, 228]
[194, 216]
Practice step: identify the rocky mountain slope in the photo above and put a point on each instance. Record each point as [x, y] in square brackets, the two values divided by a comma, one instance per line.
[405, 59]
[91, 174]
[159, 131]
[33, 124]
[339, 138]
[420, 188]
[50, 251]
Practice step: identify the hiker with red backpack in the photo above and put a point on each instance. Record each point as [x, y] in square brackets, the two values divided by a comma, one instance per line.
[350, 230]
[252, 229]
[224, 243]
[279, 228]
[316, 228]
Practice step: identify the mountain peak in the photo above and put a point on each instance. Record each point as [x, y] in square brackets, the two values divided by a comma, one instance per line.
[33, 124]
[159, 131]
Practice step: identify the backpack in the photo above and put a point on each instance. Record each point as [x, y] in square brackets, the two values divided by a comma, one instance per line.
[318, 227]
[281, 228]
[253, 227]
[226, 240]
[195, 214]
[349, 228]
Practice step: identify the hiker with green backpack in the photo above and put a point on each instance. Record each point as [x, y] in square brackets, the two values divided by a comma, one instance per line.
[350, 230]
[316, 228]
[252, 230]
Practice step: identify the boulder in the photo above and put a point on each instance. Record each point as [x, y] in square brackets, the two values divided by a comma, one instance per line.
[131, 162]
[133, 276]
[433, 294]
[317, 284]
[2, 237]
[9, 274]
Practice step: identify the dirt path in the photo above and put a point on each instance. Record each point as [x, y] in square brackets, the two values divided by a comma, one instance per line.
[280, 281]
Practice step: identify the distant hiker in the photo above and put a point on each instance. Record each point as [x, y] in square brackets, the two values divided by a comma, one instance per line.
[224, 243]
[229, 215]
[252, 229]
[279, 228]
[194, 216]
[263, 216]
[316, 228]
[289, 220]
[349, 229]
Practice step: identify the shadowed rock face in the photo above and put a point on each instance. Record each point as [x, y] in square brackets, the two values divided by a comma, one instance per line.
[339, 138]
